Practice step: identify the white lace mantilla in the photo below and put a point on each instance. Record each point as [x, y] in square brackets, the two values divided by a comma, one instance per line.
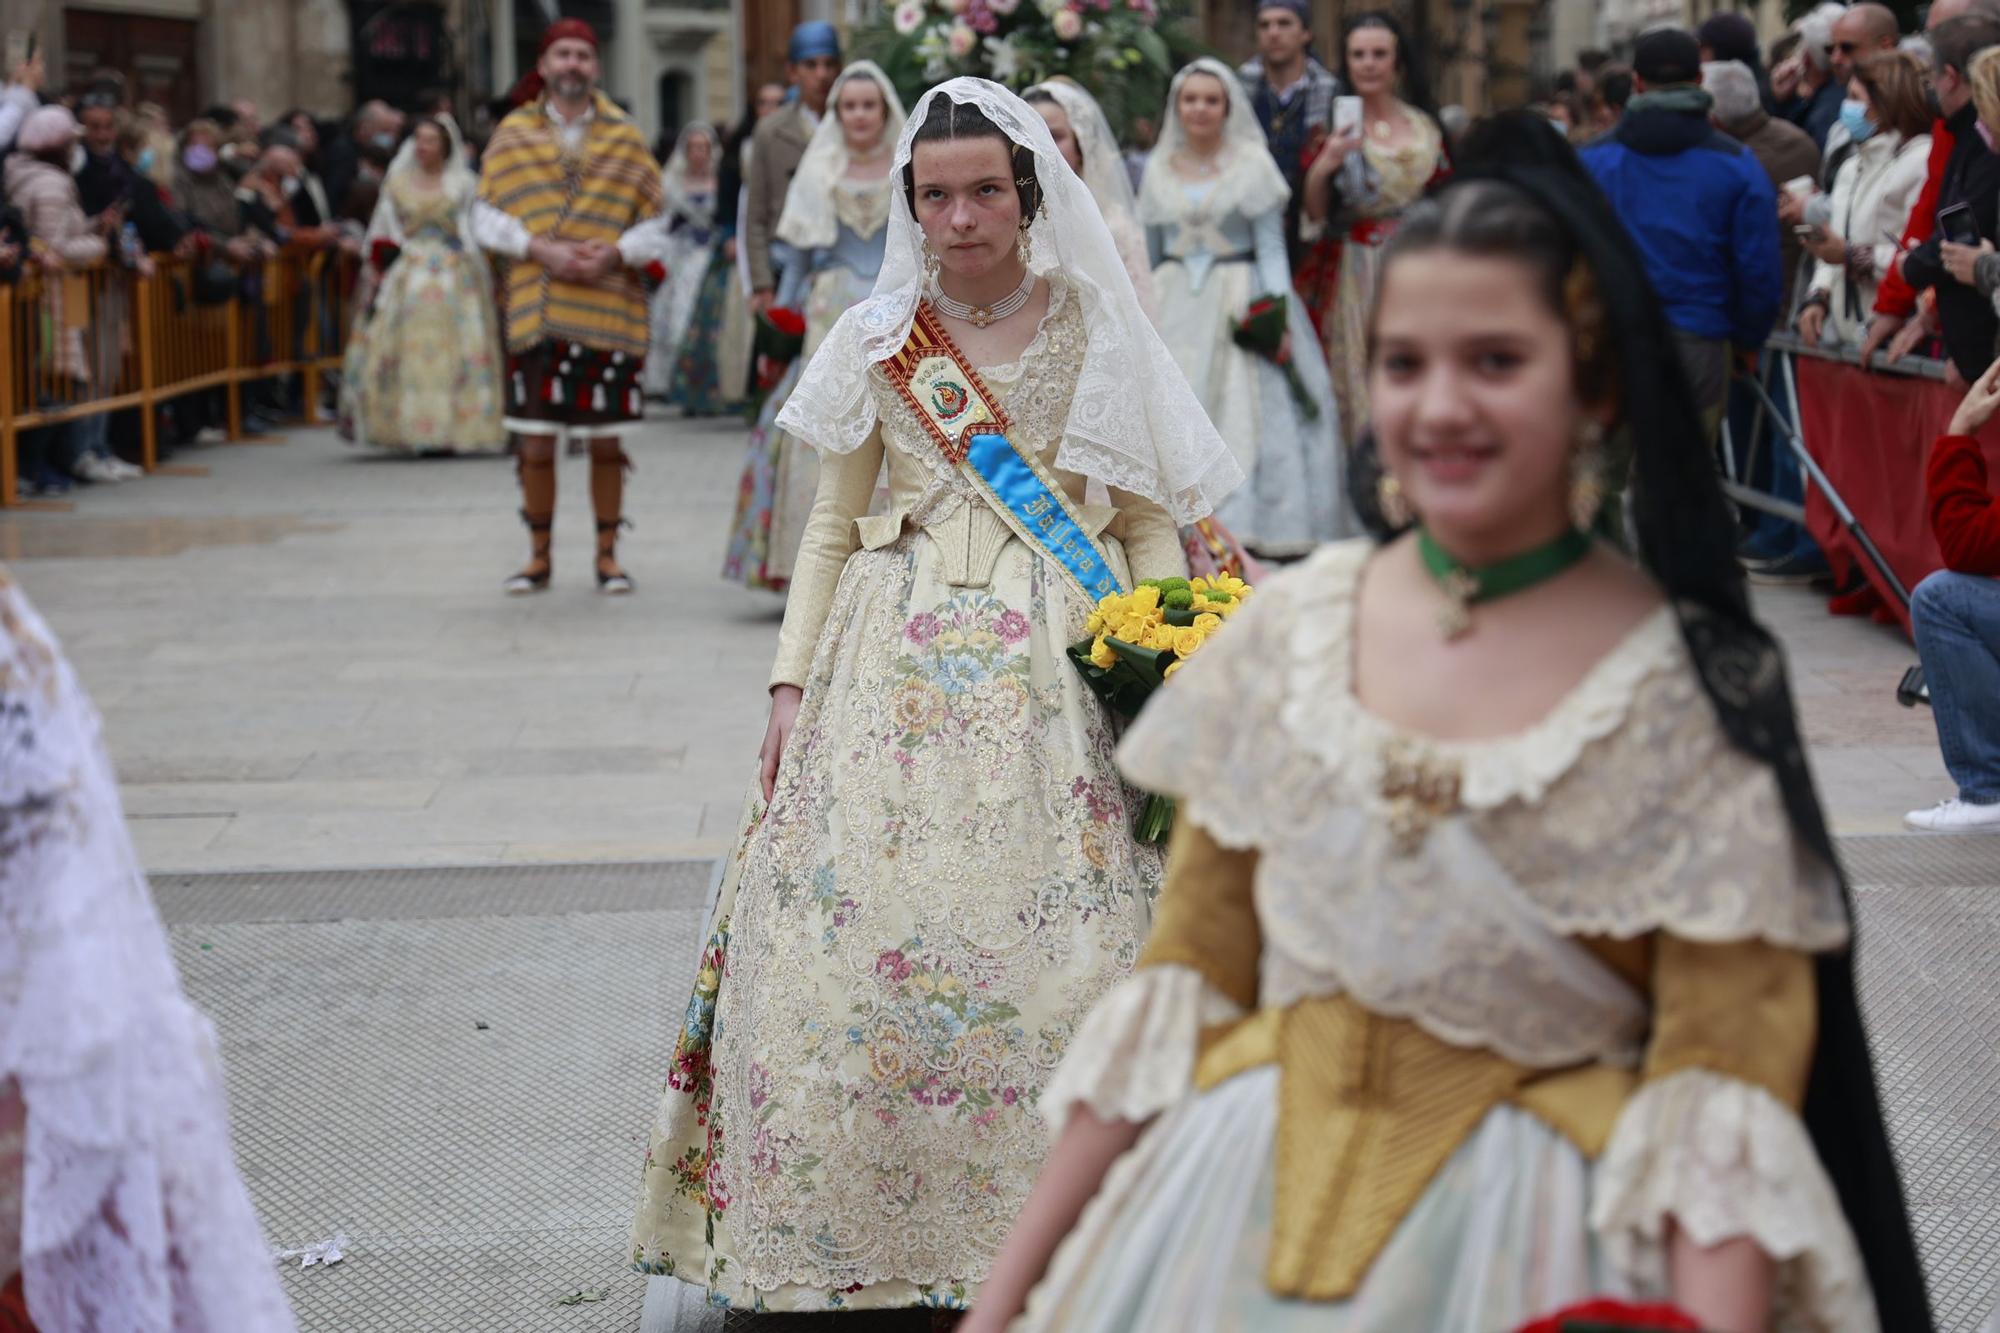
[1442, 883]
[132, 1213]
[1248, 180]
[1722, 1159]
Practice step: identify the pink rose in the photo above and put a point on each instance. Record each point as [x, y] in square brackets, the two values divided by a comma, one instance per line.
[1068, 25]
[961, 40]
[1003, 7]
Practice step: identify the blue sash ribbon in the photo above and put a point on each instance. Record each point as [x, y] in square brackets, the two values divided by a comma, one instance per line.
[1018, 488]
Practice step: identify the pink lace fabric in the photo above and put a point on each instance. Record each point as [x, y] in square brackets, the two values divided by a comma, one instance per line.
[132, 1215]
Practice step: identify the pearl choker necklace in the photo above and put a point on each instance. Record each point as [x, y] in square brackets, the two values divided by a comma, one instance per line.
[979, 316]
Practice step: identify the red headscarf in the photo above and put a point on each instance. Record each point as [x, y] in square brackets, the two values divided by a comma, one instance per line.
[530, 86]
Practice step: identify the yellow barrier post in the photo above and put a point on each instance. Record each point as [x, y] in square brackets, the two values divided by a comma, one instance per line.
[149, 416]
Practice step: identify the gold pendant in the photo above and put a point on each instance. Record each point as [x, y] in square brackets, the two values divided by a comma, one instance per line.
[979, 316]
[1454, 618]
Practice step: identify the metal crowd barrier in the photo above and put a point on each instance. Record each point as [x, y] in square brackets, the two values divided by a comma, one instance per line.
[86, 341]
[1778, 364]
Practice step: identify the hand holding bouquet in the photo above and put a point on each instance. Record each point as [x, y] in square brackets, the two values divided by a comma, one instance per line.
[1139, 640]
[383, 253]
[780, 337]
[1262, 330]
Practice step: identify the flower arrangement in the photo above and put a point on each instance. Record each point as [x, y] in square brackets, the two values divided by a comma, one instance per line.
[1123, 51]
[1139, 640]
[383, 253]
[1611, 1316]
[1262, 331]
[779, 338]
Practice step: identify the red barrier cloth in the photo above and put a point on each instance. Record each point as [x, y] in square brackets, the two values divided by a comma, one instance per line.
[1871, 434]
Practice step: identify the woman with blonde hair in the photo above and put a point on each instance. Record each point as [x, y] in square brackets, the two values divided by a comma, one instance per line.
[1888, 120]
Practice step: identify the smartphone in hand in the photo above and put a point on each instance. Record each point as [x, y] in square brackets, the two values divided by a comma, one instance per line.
[1956, 225]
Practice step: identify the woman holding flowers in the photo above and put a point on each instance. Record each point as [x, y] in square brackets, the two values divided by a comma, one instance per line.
[937, 871]
[1505, 961]
[1213, 203]
[835, 212]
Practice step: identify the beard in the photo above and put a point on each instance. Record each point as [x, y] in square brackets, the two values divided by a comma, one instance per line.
[569, 87]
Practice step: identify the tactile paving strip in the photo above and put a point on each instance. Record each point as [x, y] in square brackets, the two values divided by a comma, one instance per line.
[483, 1173]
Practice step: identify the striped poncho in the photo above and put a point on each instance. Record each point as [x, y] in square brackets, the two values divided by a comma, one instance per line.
[598, 193]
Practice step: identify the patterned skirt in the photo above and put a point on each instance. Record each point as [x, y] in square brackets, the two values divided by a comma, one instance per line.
[696, 381]
[943, 884]
[422, 368]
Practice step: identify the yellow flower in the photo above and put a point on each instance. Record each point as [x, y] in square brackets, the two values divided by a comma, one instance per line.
[1208, 622]
[1172, 667]
[1235, 587]
[1134, 628]
[1103, 654]
[1197, 586]
[1187, 641]
[1145, 600]
[1160, 638]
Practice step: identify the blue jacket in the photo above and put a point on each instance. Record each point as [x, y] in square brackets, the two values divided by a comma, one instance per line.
[1701, 211]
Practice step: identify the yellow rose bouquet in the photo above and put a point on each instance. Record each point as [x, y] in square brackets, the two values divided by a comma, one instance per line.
[1139, 639]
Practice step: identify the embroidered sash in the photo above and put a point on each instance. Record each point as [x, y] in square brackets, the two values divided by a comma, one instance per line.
[970, 426]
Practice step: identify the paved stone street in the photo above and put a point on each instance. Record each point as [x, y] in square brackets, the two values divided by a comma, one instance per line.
[436, 860]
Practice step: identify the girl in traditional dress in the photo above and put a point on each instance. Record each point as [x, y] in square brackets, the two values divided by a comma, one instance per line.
[683, 366]
[1355, 190]
[422, 367]
[1213, 202]
[937, 872]
[1504, 961]
[1083, 136]
[835, 213]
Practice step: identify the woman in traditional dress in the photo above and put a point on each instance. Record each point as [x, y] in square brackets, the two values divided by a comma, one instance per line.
[120, 1202]
[836, 209]
[937, 872]
[1504, 960]
[683, 367]
[1355, 190]
[1083, 136]
[422, 368]
[1213, 202]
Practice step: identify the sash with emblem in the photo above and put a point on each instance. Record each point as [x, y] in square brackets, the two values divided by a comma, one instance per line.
[970, 427]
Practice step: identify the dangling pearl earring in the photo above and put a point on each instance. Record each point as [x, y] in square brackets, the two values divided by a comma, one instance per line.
[1395, 506]
[932, 264]
[1022, 245]
[1586, 477]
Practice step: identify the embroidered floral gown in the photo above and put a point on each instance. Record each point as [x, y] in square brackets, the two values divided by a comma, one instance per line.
[943, 883]
[1441, 1036]
[422, 366]
[776, 491]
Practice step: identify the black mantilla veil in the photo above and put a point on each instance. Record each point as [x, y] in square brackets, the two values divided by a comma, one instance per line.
[1683, 535]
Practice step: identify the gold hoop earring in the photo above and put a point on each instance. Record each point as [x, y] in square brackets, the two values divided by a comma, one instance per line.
[1586, 477]
[1396, 509]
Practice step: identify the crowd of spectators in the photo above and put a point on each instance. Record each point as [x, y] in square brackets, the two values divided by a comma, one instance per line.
[1846, 191]
[92, 179]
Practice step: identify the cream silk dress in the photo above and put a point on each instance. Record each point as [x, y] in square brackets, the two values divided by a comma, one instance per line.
[943, 883]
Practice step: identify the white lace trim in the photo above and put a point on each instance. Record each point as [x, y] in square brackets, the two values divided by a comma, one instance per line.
[1323, 714]
[1723, 1159]
[811, 216]
[133, 1214]
[1135, 1054]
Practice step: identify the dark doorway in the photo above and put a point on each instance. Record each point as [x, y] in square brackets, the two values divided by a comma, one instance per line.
[156, 56]
[676, 102]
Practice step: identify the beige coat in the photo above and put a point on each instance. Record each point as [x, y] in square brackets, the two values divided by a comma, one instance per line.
[48, 199]
[776, 147]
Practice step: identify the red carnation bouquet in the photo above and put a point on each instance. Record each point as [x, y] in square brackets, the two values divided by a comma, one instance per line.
[383, 253]
[1262, 330]
[781, 336]
[1608, 1316]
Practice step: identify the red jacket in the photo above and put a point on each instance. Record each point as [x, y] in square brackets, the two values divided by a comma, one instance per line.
[1894, 296]
[1965, 514]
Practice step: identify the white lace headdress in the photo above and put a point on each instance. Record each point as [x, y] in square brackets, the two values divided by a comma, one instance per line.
[674, 178]
[1134, 424]
[460, 181]
[1249, 183]
[808, 220]
[1103, 163]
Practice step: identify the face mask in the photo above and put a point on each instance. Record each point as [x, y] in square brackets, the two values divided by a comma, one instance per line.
[383, 140]
[145, 163]
[200, 159]
[1854, 115]
[1985, 136]
[291, 186]
[77, 158]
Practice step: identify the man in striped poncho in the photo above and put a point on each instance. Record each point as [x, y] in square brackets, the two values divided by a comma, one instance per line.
[571, 198]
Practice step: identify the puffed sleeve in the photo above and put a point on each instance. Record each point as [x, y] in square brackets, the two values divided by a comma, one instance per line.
[1135, 1054]
[1712, 1142]
[846, 488]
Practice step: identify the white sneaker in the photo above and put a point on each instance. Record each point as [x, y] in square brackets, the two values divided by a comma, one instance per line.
[126, 471]
[97, 468]
[211, 435]
[1956, 816]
